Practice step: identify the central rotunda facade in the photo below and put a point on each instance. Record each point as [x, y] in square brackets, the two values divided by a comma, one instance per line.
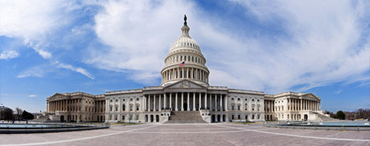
[184, 96]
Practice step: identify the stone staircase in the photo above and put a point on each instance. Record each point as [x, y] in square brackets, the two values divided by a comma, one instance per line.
[323, 118]
[41, 119]
[185, 117]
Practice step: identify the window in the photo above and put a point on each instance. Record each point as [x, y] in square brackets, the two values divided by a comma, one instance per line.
[123, 99]
[137, 107]
[258, 100]
[116, 108]
[110, 108]
[232, 98]
[238, 99]
[246, 107]
[253, 117]
[131, 107]
[137, 99]
[130, 99]
[123, 107]
[116, 100]
[252, 99]
[246, 99]
[239, 107]
[111, 100]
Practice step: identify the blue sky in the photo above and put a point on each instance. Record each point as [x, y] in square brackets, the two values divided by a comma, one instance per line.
[322, 47]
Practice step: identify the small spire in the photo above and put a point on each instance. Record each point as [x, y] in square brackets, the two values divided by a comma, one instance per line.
[185, 18]
[185, 29]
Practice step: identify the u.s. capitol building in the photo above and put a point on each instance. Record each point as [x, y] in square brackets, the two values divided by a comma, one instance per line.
[184, 96]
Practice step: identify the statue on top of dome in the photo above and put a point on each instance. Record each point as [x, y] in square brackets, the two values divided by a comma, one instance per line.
[185, 18]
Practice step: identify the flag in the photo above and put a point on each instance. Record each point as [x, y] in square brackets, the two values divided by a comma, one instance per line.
[182, 64]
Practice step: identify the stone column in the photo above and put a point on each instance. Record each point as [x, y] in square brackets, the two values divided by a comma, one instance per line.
[188, 98]
[165, 100]
[176, 102]
[300, 108]
[193, 101]
[200, 101]
[171, 101]
[210, 102]
[221, 106]
[226, 104]
[149, 103]
[154, 103]
[182, 102]
[205, 101]
[216, 102]
[160, 104]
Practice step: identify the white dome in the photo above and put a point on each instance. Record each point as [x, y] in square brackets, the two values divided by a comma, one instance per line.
[185, 43]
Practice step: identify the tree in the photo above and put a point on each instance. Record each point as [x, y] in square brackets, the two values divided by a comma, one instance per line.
[19, 113]
[26, 115]
[8, 114]
[341, 115]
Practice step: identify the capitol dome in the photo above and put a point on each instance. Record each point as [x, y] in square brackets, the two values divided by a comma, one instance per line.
[185, 61]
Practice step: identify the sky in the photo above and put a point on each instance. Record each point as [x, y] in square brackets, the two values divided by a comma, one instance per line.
[95, 46]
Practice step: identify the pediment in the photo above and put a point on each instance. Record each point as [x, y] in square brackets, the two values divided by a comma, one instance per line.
[311, 96]
[185, 84]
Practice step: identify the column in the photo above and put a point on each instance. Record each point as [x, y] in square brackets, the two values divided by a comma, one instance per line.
[182, 102]
[210, 102]
[200, 101]
[145, 103]
[205, 101]
[160, 104]
[188, 98]
[300, 108]
[165, 100]
[149, 103]
[154, 103]
[171, 101]
[221, 106]
[193, 101]
[176, 102]
[216, 102]
[226, 104]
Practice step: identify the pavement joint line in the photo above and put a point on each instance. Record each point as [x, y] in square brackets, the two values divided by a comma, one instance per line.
[78, 139]
[300, 136]
[164, 132]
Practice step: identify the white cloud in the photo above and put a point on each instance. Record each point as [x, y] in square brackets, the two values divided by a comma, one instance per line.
[36, 71]
[32, 95]
[138, 35]
[324, 47]
[9, 54]
[76, 69]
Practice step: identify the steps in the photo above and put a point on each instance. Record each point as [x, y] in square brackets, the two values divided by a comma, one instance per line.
[185, 117]
[41, 119]
[323, 118]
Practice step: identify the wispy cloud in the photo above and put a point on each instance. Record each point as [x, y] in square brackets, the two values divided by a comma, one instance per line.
[76, 69]
[32, 95]
[37, 23]
[9, 54]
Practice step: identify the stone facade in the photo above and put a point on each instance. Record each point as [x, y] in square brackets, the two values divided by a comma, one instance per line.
[185, 87]
[76, 106]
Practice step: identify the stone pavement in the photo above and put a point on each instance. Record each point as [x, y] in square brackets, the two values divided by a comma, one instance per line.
[191, 134]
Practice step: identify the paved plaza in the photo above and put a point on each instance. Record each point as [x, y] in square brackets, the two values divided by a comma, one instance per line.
[191, 134]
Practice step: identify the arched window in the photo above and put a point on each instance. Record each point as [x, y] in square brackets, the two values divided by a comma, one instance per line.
[123, 107]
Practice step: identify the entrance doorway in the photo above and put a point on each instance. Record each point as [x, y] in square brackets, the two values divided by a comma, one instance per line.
[305, 117]
[185, 107]
[62, 118]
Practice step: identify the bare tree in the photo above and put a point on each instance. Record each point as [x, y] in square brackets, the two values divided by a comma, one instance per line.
[19, 113]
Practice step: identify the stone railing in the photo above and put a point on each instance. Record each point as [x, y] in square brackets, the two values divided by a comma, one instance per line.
[245, 91]
[124, 91]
